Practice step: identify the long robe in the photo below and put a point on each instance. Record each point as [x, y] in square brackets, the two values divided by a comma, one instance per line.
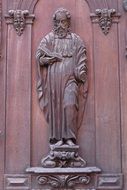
[59, 84]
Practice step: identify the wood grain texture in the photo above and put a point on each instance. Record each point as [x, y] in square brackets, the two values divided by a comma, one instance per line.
[2, 91]
[108, 150]
[86, 134]
[102, 136]
[123, 89]
[18, 103]
[99, 4]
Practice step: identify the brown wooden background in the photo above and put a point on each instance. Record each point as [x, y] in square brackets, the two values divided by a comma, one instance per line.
[24, 133]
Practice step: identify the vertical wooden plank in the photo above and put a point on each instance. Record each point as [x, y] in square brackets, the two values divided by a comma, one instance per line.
[86, 135]
[18, 103]
[123, 82]
[108, 153]
[2, 90]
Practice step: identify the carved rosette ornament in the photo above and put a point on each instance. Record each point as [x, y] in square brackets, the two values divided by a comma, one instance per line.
[19, 19]
[105, 18]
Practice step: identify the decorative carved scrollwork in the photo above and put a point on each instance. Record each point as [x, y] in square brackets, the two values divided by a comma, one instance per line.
[63, 180]
[63, 156]
[19, 19]
[105, 18]
[19, 22]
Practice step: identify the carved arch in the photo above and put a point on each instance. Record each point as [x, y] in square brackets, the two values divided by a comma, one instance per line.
[93, 4]
[28, 5]
[34, 2]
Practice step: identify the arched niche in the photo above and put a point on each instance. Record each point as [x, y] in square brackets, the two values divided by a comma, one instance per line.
[81, 25]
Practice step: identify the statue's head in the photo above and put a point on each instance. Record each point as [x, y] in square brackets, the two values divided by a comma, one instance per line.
[61, 19]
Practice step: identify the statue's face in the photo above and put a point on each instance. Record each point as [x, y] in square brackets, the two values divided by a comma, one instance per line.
[61, 25]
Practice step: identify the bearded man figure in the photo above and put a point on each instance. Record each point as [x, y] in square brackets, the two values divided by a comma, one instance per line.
[62, 73]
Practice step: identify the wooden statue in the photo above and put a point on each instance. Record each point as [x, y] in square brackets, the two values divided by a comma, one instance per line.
[62, 87]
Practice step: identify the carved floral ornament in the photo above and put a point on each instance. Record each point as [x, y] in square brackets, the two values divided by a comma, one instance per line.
[62, 181]
[19, 19]
[105, 17]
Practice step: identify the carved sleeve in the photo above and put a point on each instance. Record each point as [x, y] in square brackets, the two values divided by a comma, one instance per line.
[81, 60]
[40, 54]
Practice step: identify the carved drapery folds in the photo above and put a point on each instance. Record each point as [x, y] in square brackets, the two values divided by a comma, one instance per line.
[105, 18]
[19, 19]
[125, 5]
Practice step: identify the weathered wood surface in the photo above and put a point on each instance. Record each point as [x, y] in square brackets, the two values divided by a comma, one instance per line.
[123, 89]
[18, 102]
[102, 136]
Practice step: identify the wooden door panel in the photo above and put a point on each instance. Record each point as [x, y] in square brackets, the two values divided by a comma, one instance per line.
[18, 102]
[107, 100]
[123, 92]
[2, 92]
[25, 133]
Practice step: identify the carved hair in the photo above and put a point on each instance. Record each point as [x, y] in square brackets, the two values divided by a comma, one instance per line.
[62, 10]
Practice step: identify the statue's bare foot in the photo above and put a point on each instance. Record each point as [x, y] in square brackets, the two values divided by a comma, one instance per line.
[70, 142]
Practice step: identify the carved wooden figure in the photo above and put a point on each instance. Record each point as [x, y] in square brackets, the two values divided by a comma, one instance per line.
[62, 75]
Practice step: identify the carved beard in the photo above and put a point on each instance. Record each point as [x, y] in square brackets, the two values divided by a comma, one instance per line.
[61, 32]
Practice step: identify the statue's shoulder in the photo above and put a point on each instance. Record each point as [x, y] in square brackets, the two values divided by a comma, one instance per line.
[77, 38]
[48, 38]
[50, 35]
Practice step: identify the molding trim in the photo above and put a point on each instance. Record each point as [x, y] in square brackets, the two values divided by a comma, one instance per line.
[14, 182]
[109, 181]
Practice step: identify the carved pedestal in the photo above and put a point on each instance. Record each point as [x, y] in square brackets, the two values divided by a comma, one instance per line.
[64, 177]
[63, 156]
[63, 168]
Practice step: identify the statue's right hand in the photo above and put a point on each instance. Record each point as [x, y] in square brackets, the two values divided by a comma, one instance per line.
[47, 60]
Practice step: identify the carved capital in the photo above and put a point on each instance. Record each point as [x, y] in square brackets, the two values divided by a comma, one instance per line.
[105, 18]
[19, 19]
